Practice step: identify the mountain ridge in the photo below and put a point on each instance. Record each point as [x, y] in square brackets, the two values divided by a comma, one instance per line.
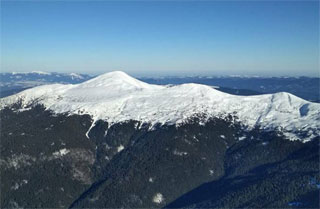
[117, 97]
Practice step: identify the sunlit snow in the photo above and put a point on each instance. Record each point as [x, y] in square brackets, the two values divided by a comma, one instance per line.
[61, 152]
[120, 148]
[117, 97]
[158, 198]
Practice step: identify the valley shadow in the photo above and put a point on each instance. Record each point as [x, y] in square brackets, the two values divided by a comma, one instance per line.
[209, 194]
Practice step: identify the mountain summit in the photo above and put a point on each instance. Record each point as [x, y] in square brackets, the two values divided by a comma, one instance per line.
[115, 79]
[117, 97]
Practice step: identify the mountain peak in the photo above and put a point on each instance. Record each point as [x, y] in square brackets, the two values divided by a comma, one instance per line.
[116, 79]
[115, 74]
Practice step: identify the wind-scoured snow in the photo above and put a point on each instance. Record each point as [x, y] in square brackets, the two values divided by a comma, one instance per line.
[117, 97]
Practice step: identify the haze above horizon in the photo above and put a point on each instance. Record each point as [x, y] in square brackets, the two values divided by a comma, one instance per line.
[161, 38]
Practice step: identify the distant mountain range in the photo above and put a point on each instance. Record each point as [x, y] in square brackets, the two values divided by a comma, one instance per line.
[303, 87]
[11, 83]
[114, 141]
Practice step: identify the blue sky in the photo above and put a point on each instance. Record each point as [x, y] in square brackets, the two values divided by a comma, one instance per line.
[162, 37]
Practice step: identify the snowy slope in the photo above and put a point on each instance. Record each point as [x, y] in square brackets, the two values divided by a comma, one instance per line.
[117, 97]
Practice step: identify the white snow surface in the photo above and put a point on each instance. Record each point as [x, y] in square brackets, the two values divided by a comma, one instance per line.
[120, 148]
[117, 97]
[75, 75]
[158, 198]
[61, 152]
[35, 72]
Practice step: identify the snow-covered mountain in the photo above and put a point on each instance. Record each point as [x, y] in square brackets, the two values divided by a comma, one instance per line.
[116, 97]
[156, 146]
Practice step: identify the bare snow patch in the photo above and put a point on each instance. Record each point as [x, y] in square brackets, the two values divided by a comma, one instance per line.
[176, 152]
[195, 138]
[18, 185]
[15, 186]
[61, 152]
[211, 172]
[120, 148]
[158, 198]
